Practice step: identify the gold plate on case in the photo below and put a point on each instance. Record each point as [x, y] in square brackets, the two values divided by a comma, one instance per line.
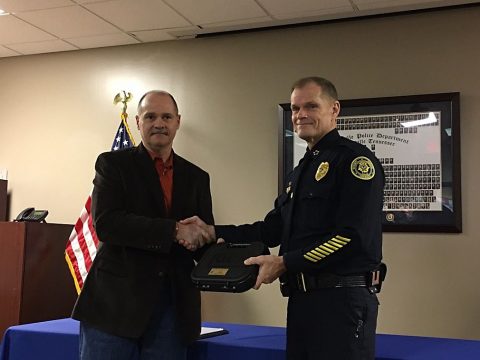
[218, 271]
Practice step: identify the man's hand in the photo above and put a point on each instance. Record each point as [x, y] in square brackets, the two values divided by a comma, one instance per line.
[191, 236]
[271, 267]
[208, 230]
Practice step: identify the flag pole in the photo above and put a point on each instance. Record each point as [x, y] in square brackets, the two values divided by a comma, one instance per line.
[82, 244]
[124, 100]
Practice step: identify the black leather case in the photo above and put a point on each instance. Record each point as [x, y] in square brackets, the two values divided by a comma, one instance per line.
[221, 268]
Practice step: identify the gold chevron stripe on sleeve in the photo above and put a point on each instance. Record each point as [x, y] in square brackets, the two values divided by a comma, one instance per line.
[317, 253]
[342, 238]
[324, 248]
[338, 242]
[327, 248]
[314, 256]
[335, 245]
[330, 246]
[326, 253]
[306, 256]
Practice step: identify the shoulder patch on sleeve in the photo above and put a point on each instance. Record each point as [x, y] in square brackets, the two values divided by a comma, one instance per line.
[362, 168]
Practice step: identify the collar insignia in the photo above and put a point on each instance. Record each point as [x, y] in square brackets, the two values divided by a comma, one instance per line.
[322, 171]
[287, 190]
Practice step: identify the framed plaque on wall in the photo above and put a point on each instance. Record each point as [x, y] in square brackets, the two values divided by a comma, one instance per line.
[417, 140]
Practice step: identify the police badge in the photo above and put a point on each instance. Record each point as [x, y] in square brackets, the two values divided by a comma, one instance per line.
[322, 171]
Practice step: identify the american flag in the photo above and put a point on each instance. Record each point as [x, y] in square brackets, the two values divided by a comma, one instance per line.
[82, 244]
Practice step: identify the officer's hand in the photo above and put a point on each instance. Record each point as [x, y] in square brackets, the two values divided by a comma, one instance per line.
[271, 267]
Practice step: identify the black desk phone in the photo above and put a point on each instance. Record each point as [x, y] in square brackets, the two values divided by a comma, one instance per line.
[30, 214]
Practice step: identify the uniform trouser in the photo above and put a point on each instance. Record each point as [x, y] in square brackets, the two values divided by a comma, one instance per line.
[332, 324]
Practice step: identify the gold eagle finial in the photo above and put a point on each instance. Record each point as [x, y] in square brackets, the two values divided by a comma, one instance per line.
[124, 99]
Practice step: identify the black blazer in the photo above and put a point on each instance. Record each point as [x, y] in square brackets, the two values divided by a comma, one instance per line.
[137, 254]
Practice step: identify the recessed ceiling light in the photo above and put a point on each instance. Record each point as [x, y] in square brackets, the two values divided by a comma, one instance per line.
[3, 12]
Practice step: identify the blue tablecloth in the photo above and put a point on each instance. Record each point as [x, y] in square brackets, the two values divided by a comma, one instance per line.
[58, 340]
[49, 340]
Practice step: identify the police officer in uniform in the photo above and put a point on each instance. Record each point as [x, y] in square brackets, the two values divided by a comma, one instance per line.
[328, 225]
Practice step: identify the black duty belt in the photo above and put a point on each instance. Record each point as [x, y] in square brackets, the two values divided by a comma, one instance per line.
[301, 282]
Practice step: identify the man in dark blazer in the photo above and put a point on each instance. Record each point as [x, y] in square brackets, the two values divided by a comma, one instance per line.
[138, 301]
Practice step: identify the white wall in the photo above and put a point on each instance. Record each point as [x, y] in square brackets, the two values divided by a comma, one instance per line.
[57, 115]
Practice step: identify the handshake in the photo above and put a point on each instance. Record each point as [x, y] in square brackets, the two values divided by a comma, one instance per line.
[193, 233]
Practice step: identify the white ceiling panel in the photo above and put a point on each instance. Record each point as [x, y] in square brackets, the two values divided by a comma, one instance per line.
[58, 25]
[4, 52]
[13, 30]
[379, 4]
[90, 1]
[310, 7]
[68, 22]
[318, 15]
[27, 5]
[186, 32]
[405, 4]
[136, 15]
[154, 35]
[239, 24]
[215, 11]
[88, 42]
[42, 47]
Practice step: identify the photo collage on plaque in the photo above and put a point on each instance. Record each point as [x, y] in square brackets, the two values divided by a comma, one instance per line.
[412, 183]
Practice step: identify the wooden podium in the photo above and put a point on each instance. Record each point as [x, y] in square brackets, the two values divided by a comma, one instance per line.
[35, 283]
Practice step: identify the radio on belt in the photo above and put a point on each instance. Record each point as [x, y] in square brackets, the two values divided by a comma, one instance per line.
[221, 268]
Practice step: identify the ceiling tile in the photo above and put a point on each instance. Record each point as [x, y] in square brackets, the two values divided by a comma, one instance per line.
[216, 11]
[68, 22]
[96, 41]
[287, 9]
[91, 1]
[240, 24]
[178, 33]
[136, 15]
[405, 4]
[26, 5]
[13, 30]
[318, 15]
[99, 23]
[42, 47]
[4, 52]
[154, 35]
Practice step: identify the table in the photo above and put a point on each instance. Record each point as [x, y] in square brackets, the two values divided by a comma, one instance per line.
[58, 340]
[49, 340]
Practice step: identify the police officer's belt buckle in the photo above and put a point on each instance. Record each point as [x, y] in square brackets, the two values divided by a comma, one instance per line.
[305, 283]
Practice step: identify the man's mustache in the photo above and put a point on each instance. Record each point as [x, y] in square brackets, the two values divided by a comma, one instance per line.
[163, 131]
